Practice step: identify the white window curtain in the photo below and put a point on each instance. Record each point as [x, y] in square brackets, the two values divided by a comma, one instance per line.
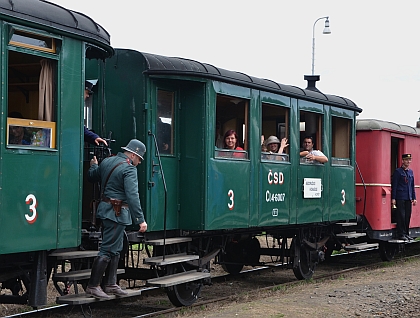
[45, 111]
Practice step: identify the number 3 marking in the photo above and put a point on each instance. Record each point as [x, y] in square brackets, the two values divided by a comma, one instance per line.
[231, 205]
[344, 197]
[32, 207]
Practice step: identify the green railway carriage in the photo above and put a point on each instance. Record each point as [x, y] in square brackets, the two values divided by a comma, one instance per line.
[207, 188]
[43, 51]
[206, 201]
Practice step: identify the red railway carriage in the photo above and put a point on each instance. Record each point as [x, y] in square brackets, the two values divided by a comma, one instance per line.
[379, 146]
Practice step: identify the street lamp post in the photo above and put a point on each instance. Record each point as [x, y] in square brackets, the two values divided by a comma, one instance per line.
[326, 31]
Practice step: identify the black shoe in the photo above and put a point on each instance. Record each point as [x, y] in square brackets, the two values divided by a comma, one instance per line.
[403, 238]
[409, 238]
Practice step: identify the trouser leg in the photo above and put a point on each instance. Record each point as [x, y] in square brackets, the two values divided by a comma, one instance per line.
[400, 218]
[111, 246]
[98, 268]
[408, 207]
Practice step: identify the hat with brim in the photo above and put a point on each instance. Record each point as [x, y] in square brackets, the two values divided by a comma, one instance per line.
[272, 140]
[406, 156]
[136, 147]
[89, 85]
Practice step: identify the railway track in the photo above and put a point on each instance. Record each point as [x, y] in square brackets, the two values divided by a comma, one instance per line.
[153, 302]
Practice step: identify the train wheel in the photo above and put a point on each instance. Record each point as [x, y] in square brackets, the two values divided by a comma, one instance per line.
[233, 269]
[303, 267]
[387, 251]
[234, 257]
[183, 294]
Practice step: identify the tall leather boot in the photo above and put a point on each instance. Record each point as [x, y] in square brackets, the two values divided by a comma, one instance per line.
[98, 268]
[110, 280]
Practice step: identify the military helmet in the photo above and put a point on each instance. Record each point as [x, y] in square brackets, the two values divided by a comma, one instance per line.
[272, 140]
[137, 147]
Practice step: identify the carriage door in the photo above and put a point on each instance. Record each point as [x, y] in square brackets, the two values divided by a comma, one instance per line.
[275, 166]
[30, 160]
[164, 119]
[311, 176]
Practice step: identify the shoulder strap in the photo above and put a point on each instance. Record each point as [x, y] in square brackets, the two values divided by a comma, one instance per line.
[109, 174]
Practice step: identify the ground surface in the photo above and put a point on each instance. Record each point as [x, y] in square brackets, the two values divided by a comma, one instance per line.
[393, 290]
[390, 291]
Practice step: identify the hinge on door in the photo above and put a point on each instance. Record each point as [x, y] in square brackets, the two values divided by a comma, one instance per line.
[179, 106]
[146, 106]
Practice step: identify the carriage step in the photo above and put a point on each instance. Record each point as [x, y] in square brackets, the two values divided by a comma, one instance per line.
[176, 279]
[168, 241]
[398, 241]
[361, 246]
[60, 256]
[170, 259]
[347, 224]
[73, 276]
[81, 299]
[350, 234]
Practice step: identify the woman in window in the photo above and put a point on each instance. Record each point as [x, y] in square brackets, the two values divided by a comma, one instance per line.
[276, 147]
[231, 142]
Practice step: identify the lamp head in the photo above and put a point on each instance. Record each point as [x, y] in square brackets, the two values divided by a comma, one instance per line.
[327, 27]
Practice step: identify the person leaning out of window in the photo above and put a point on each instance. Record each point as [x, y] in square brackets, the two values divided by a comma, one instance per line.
[310, 154]
[275, 148]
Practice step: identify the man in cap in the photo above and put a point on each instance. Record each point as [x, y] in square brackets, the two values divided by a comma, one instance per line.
[90, 136]
[403, 196]
[120, 204]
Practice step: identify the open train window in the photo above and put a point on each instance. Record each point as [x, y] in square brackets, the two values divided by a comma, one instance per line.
[231, 120]
[341, 141]
[31, 40]
[275, 127]
[165, 121]
[31, 106]
[310, 126]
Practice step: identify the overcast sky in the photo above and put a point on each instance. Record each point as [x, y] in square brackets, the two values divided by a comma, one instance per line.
[371, 56]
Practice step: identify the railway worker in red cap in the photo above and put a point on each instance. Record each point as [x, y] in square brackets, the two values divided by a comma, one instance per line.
[119, 206]
[403, 196]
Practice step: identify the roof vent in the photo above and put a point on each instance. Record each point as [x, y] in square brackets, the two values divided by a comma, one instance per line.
[312, 79]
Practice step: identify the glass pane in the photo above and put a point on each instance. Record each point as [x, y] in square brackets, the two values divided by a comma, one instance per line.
[30, 133]
[32, 40]
[341, 136]
[164, 122]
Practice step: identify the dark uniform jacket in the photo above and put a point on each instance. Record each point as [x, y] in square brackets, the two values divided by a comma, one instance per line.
[90, 136]
[122, 185]
[403, 185]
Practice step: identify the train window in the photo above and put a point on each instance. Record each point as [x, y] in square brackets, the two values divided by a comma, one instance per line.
[341, 140]
[31, 112]
[32, 41]
[164, 121]
[310, 126]
[232, 121]
[275, 127]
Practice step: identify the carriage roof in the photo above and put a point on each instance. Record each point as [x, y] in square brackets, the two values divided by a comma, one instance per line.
[157, 64]
[49, 16]
[375, 124]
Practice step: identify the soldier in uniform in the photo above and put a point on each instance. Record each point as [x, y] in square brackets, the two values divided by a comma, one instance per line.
[403, 196]
[120, 204]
